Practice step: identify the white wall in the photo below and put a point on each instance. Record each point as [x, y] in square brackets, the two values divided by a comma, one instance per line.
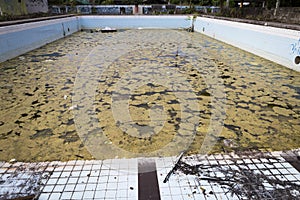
[18, 39]
[275, 44]
[134, 21]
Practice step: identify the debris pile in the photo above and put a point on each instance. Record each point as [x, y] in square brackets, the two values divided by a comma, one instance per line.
[21, 182]
[239, 180]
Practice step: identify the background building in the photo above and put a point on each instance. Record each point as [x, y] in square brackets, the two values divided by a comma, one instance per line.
[36, 6]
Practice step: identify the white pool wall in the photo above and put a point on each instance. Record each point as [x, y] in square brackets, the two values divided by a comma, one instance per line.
[276, 44]
[19, 39]
[135, 21]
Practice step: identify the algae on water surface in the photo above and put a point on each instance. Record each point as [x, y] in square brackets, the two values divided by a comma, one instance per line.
[37, 120]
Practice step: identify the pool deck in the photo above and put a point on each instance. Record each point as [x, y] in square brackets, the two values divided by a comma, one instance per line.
[272, 175]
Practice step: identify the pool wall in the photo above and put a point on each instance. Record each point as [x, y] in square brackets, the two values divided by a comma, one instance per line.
[136, 21]
[18, 39]
[276, 44]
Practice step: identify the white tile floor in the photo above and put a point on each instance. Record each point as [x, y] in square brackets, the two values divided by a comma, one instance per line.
[218, 177]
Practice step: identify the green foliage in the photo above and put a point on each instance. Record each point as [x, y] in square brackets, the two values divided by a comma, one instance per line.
[204, 2]
[56, 2]
[107, 2]
[190, 10]
[283, 3]
[134, 2]
[177, 2]
[231, 4]
[171, 12]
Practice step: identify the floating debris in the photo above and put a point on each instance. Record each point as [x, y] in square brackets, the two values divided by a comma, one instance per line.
[108, 30]
[49, 60]
[42, 133]
[13, 160]
[107, 142]
[73, 107]
[175, 168]
[229, 143]
[69, 136]
[54, 54]
[79, 156]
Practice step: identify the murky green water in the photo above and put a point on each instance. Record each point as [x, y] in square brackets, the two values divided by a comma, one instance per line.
[143, 92]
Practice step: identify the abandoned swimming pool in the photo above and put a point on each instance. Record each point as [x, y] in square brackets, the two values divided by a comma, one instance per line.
[144, 93]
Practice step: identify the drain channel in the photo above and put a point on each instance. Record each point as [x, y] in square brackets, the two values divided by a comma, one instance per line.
[147, 180]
